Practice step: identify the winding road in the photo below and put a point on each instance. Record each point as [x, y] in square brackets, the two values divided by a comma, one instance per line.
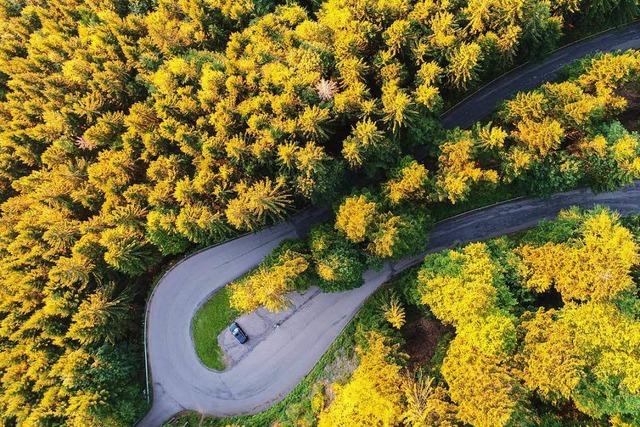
[278, 362]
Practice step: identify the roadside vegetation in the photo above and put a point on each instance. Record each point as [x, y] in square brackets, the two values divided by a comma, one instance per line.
[211, 319]
[558, 137]
[539, 328]
[136, 130]
[336, 365]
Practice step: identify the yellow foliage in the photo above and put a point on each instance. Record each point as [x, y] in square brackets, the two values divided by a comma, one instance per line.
[561, 347]
[394, 312]
[427, 404]
[355, 217]
[554, 367]
[428, 95]
[595, 267]
[625, 151]
[484, 388]
[492, 137]
[611, 69]
[257, 202]
[386, 236]
[429, 73]
[268, 285]
[461, 298]
[373, 395]
[397, 105]
[493, 333]
[458, 170]
[325, 271]
[234, 9]
[519, 159]
[443, 27]
[464, 60]
[540, 137]
[526, 105]
[365, 135]
[410, 184]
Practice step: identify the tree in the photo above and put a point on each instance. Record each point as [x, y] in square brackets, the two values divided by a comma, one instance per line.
[127, 251]
[464, 62]
[595, 267]
[161, 231]
[582, 352]
[103, 318]
[394, 312]
[356, 216]
[396, 236]
[458, 286]
[459, 170]
[540, 137]
[201, 224]
[339, 264]
[373, 394]
[485, 389]
[409, 182]
[282, 272]
[255, 204]
[427, 404]
[466, 288]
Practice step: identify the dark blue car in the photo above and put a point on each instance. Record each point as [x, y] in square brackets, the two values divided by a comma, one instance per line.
[237, 332]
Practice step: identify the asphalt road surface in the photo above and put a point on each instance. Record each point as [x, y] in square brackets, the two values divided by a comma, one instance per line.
[481, 104]
[275, 365]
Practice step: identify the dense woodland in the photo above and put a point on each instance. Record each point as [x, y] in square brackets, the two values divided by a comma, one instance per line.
[131, 131]
[539, 328]
[560, 136]
[546, 327]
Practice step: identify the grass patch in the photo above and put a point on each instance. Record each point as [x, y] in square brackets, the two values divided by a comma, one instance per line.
[215, 315]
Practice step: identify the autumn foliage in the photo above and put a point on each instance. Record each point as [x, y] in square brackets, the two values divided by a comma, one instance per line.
[574, 352]
[133, 131]
[523, 353]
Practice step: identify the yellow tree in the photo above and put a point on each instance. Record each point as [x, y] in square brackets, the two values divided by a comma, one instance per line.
[461, 288]
[539, 137]
[459, 170]
[397, 105]
[373, 395]
[467, 294]
[408, 183]
[254, 204]
[463, 66]
[427, 404]
[365, 137]
[268, 285]
[394, 312]
[553, 366]
[595, 267]
[356, 216]
[589, 353]
[485, 389]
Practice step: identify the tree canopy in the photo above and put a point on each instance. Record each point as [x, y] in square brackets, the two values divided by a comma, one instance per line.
[132, 131]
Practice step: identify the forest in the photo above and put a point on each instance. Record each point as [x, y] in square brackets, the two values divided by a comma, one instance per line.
[135, 132]
[539, 328]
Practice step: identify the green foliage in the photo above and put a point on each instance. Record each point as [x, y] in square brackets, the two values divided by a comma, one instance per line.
[162, 233]
[339, 264]
[211, 319]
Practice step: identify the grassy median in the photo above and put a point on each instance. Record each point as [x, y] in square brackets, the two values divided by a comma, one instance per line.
[215, 315]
